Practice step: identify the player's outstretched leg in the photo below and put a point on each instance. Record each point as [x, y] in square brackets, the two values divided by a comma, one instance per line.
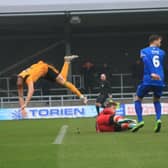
[65, 68]
[127, 126]
[74, 90]
[138, 109]
[125, 123]
[62, 78]
[158, 123]
[126, 120]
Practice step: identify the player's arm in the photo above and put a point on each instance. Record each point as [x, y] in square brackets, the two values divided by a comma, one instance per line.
[150, 66]
[20, 90]
[20, 94]
[30, 86]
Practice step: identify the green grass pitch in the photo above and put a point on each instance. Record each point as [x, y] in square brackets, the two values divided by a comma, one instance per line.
[28, 144]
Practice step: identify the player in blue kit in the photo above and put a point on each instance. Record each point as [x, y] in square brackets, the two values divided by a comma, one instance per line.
[153, 80]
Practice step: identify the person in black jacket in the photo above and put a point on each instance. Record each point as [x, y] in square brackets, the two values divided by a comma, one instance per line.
[105, 92]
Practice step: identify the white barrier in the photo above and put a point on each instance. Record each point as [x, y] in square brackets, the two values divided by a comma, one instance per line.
[53, 112]
[148, 109]
[73, 111]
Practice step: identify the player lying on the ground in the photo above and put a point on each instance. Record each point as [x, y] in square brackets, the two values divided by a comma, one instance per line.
[153, 80]
[108, 121]
[48, 72]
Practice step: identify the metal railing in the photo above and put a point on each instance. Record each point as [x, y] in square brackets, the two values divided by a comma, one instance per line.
[62, 100]
[119, 85]
[122, 79]
[7, 89]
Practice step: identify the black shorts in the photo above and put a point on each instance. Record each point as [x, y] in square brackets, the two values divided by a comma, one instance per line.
[117, 128]
[51, 74]
[101, 99]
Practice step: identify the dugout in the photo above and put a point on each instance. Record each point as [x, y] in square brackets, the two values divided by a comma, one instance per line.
[101, 31]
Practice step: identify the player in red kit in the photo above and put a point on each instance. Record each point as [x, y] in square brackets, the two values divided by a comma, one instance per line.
[108, 121]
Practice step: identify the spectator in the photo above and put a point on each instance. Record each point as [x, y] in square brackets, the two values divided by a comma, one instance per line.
[105, 69]
[137, 72]
[88, 73]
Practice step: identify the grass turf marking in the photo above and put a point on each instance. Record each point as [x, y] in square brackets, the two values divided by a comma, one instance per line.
[61, 135]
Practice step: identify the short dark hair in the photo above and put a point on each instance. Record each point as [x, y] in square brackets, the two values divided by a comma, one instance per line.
[154, 37]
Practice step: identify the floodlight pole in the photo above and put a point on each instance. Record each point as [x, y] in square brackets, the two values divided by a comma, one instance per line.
[67, 32]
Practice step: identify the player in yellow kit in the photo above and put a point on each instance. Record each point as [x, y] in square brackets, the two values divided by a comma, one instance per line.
[43, 70]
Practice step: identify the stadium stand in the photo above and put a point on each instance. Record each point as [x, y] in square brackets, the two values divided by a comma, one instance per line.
[103, 37]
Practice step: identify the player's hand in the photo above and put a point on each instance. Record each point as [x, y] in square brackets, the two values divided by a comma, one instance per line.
[155, 76]
[24, 113]
[23, 107]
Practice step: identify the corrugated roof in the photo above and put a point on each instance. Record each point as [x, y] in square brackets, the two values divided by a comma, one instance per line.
[21, 6]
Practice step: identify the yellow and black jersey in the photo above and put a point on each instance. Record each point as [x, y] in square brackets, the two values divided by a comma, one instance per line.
[39, 70]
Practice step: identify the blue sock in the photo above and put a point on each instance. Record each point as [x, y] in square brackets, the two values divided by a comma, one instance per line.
[158, 110]
[138, 109]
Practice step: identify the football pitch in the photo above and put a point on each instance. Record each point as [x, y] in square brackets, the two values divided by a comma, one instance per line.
[29, 144]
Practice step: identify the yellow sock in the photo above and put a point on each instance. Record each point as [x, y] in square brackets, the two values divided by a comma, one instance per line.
[72, 88]
[65, 69]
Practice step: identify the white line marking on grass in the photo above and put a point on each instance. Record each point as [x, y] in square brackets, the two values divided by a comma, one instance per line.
[61, 135]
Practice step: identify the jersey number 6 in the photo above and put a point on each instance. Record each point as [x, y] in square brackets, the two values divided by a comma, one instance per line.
[156, 61]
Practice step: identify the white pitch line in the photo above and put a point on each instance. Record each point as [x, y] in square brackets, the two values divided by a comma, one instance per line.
[61, 134]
